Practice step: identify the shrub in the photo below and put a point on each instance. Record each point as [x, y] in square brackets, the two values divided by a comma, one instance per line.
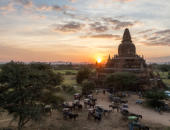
[68, 89]
[83, 74]
[154, 98]
[57, 89]
[68, 73]
[168, 75]
[87, 87]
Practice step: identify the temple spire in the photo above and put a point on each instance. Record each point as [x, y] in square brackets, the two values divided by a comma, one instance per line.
[109, 57]
[126, 36]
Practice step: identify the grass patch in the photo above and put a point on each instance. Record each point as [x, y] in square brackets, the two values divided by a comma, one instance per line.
[167, 82]
[66, 71]
[70, 80]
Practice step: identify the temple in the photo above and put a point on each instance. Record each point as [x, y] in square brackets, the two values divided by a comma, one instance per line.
[127, 59]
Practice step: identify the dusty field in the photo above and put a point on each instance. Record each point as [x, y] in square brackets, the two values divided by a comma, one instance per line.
[113, 121]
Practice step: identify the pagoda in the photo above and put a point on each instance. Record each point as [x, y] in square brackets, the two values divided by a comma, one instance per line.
[127, 60]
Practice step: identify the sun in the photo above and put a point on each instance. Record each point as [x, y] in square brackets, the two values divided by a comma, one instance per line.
[99, 59]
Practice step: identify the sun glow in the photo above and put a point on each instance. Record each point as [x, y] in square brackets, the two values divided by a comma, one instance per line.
[99, 59]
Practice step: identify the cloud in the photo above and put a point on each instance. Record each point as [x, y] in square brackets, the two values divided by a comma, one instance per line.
[25, 3]
[73, 1]
[54, 8]
[97, 27]
[7, 8]
[160, 38]
[120, 24]
[124, 0]
[117, 37]
[162, 32]
[145, 31]
[70, 27]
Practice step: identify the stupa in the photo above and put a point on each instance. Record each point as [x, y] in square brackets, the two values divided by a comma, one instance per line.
[127, 59]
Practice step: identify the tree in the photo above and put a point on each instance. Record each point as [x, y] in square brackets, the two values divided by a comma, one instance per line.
[154, 98]
[164, 67]
[84, 73]
[87, 87]
[169, 75]
[23, 88]
[122, 81]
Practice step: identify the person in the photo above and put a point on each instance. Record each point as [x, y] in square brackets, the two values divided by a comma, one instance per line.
[140, 94]
[97, 92]
[104, 91]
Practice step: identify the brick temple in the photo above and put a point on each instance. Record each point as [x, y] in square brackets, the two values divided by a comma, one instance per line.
[127, 60]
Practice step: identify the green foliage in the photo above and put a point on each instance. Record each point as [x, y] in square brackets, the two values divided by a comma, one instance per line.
[69, 80]
[87, 87]
[83, 74]
[169, 75]
[49, 97]
[155, 95]
[69, 73]
[164, 67]
[122, 81]
[22, 90]
[154, 98]
[57, 89]
[68, 89]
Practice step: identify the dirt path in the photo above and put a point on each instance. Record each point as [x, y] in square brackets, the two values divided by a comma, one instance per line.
[149, 115]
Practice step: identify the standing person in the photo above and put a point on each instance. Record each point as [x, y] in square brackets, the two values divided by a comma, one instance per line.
[104, 91]
[97, 92]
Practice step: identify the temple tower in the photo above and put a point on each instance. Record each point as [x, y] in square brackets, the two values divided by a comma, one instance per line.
[126, 48]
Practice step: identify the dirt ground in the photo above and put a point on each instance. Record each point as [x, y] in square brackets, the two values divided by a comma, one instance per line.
[113, 121]
[149, 115]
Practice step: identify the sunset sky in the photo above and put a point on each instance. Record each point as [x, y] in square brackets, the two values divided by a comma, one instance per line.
[81, 30]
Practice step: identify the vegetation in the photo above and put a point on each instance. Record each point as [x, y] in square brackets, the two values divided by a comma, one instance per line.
[169, 75]
[161, 67]
[69, 80]
[154, 98]
[83, 74]
[26, 89]
[122, 81]
[164, 67]
[68, 89]
[87, 87]
[66, 72]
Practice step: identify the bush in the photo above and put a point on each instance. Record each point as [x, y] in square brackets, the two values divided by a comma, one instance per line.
[69, 73]
[68, 89]
[87, 87]
[168, 75]
[57, 89]
[154, 98]
[51, 98]
[154, 103]
[83, 74]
